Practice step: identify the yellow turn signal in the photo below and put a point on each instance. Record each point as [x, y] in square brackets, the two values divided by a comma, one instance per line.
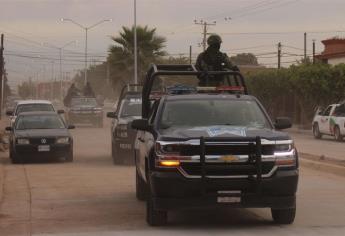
[286, 162]
[169, 163]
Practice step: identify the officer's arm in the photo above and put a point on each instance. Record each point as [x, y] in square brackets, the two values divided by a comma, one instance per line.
[228, 63]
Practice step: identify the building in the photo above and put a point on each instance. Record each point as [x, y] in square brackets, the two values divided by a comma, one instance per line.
[334, 52]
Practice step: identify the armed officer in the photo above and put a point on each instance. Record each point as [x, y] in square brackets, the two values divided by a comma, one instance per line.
[212, 59]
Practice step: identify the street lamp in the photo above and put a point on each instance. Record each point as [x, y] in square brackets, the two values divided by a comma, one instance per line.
[60, 59]
[86, 28]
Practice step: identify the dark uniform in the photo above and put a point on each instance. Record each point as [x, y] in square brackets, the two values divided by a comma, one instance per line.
[213, 60]
[72, 92]
[88, 92]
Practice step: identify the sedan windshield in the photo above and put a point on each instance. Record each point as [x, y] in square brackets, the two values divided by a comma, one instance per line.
[193, 113]
[34, 107]
[39, 122]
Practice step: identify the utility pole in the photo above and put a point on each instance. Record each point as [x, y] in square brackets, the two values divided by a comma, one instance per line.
[313, 51]
[305, 47]
[108, 73]
[190, 54]
[2, 65]
[135, 44]
[204, 24]
[279, 54]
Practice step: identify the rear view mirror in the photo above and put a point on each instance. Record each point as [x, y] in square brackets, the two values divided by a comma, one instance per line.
[111, 115]
[9, 113]
[8, 128]
[141, 124]
[60, 111]
[282, 123]
[71, 127]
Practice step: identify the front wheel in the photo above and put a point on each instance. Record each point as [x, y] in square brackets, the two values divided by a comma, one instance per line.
[155, 217]
[69, 157]
[140, 187]
[316, 131]
[283, 216]
[15, 159]
[337, 135]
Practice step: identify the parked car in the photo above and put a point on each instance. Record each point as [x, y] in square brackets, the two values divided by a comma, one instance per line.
[40, 134]
[85, 110]
[213, 148]
[330, 121]
[122, 135]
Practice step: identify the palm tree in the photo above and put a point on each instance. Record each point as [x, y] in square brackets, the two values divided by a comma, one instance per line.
[121, 55]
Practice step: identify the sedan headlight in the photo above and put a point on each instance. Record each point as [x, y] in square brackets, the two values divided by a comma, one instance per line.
[23, 141]
[64, 140]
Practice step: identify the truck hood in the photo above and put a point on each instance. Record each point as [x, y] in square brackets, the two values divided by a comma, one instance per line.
[185, 133]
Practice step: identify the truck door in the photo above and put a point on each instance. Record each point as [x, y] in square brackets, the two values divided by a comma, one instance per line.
[324, 120]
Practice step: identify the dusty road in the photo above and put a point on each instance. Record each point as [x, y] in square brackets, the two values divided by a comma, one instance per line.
[327, 146]
[93, 197]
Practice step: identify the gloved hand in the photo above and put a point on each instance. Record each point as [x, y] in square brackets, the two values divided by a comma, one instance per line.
[235, 68]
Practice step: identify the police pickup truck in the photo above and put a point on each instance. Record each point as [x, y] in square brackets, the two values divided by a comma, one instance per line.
[330, 121]
[215, 147]
[122, 135]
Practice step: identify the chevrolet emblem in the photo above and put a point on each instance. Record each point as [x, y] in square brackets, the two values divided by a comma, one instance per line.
[229, 158]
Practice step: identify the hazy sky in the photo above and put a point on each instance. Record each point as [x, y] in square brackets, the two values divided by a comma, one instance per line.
[255, 26]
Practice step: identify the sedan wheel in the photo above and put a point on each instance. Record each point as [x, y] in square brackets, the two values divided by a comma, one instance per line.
[316, 131]
[338, 137]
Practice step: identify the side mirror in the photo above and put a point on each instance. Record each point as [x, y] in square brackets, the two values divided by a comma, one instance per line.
[111, 115]
[141, 124]
[60, 111]
[9, 113]
[71, 127]
[8, 128]
[282, 123]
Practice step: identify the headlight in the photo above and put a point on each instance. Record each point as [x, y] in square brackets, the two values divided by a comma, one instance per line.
[64, 140]
[168, 149]
[97, 110]
[283, 147]
[23, 141]
[122, 127]
[285, 153]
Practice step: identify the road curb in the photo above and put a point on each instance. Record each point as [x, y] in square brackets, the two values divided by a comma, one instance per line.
[324, 167]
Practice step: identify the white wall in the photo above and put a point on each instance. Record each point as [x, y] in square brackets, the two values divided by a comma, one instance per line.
[336, 61]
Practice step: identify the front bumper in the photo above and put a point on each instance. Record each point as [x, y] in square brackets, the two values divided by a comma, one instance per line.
[30, 150]
[85, 117]
[171, 190]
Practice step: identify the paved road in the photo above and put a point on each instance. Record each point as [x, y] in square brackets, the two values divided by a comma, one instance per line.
[327, 146]
[93, 197]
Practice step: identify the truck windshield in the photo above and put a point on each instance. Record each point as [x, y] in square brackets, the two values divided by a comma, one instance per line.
[131, 108]
[193, 113]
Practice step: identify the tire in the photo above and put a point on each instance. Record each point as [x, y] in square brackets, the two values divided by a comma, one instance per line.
[100, 123]
[337, 135]
[154, 217]
[283, 216]
[140, 187]
[15, 159]
[114, 154]
[316, 131]
[70, 157]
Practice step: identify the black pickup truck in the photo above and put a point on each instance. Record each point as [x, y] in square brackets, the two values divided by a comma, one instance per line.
[214, 147]
[122, 135]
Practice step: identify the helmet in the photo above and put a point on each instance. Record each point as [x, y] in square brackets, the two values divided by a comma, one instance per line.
[214, 39]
